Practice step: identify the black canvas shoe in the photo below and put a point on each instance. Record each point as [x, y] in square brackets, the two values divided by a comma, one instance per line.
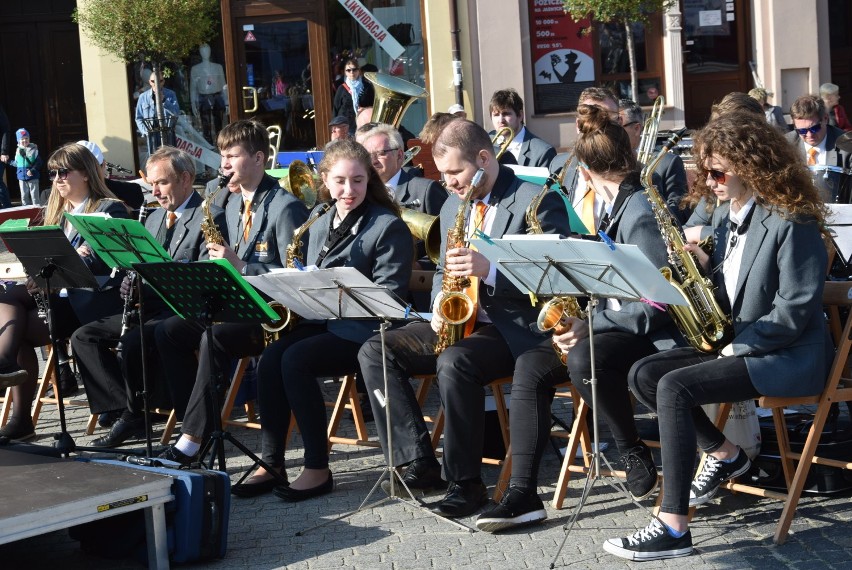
[714, 473]
[651, 543]
[517, 507]
[641, 471]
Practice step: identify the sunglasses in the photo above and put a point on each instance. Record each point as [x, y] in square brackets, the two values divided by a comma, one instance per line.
[62, 172]
[382, 153]
[813, 129]
[352, 69]
[717, 175]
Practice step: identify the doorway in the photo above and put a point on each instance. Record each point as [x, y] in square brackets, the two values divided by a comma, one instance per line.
[715, 48]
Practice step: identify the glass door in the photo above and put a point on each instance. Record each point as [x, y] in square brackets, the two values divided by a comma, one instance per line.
[274, 70]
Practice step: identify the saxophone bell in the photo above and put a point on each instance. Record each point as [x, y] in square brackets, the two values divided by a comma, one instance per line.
[272, 330]
[552, 317]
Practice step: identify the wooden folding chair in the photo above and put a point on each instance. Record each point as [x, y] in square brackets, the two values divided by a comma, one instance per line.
[838, 388]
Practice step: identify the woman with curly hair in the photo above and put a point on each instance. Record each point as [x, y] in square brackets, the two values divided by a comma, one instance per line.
[769, 270]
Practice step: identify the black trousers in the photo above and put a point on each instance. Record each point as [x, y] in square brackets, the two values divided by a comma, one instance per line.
[615, 353]
[287, 384]
[190, 378]
[463, 370]
[676, 383]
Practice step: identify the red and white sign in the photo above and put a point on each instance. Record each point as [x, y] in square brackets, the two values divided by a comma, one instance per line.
[250, 37]
[562, 49]
[373, 27]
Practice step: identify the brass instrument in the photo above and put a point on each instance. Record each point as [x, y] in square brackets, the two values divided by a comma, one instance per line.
[393, 97]
[456, 308]
[208, 225]
[426, 228]
[294, 261]
[703, 323]
[300, 183]
[648, 140]
[552, 313]
[501, 141]
[409, 155]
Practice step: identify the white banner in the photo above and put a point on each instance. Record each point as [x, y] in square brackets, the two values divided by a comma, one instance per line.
[369, 22]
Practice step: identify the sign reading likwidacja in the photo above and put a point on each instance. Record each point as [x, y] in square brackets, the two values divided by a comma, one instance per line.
[373, 27]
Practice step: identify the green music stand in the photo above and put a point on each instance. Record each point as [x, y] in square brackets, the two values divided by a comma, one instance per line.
[211, 291]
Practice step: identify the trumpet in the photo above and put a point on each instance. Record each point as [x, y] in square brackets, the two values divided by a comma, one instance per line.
[501, 141]
[648, 140]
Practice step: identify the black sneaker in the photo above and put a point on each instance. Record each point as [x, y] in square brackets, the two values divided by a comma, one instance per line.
[714, 473]
[651, 543]
[172, 453]
[517, 507]
[641, 471]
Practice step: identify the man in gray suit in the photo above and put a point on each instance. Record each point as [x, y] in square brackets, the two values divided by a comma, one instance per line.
[670, 175]
[501, 326]
[112, 383]
[507, 110]
[384, 143]
[816, 141]
[260, 218]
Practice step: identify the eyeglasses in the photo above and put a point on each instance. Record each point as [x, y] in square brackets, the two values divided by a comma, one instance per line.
[813, 129]
[62, 172]
[382, 153]
[717, 175]
[352, 69]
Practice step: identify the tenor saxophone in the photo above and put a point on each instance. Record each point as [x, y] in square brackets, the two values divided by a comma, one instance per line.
[456, 307]
[702, 321]
[553, 312]
[208, 224]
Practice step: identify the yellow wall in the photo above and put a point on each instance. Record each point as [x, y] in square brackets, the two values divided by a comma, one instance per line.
[436, 27]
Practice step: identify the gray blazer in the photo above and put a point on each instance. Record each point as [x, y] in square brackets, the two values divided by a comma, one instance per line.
[635, 224]
[429, 193]
[380, 247]
[277, 214]
[777, 307]
[534, 151]
[830, 186]
[187, 242]
[507, 307]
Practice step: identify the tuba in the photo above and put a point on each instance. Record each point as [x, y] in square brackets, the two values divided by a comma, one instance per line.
[501, 141]
[456, 307]
[426, 228]
[703, 323]
[300, 183]
[393, 97]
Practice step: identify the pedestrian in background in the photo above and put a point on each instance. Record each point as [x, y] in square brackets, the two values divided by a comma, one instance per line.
[28, 164]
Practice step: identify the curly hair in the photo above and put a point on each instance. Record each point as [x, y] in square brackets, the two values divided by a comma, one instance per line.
[603, 144]
[764, 160]
[377, 193]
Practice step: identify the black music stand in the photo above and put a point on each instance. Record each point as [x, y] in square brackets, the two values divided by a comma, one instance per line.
[345, 293]
[211, 292]
[120, 243]
[547, 266]
[52, 262]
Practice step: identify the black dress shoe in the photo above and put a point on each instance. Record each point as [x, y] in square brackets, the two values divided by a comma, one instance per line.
[67, 381]
[291, 495]
[108, 419]
[121, 431]
[172, 453]
[422, 474]
[248, 490]
[12, 376]
[462, 499]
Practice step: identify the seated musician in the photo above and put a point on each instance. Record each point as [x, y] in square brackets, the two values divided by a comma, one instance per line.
[113, 383]
[625, 332]
[500, 327]
[261, 218]
[78, 187]
[362, 230]
[768, 267]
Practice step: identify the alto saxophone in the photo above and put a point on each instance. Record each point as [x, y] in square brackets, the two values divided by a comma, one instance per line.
[456, 307]
[208, 225]
[703, 323]
[294, 261]
[552, 314]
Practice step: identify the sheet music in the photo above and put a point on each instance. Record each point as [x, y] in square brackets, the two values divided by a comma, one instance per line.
[592, 268]
[335, 293]
[840, 227]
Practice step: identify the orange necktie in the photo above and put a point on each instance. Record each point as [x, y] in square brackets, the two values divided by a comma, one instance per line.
[812, 155]
[587, 211]
[246, 219]
[171, 220]
[472, 290]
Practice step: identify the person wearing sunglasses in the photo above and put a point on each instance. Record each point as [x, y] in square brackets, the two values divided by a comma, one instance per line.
[816, 142]
[78, 187]
[354, 96]
[768, 268]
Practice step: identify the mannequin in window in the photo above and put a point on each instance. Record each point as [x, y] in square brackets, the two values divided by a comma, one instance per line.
[206, 83]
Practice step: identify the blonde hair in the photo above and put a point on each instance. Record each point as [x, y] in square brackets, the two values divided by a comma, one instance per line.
[74, 156]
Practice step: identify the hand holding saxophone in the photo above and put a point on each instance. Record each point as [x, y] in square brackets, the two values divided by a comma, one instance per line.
[220, 251]
[701, 256]
[466, 262]
[569, 332]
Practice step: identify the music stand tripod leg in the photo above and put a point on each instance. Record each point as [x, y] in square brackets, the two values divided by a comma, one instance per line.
[390, 470]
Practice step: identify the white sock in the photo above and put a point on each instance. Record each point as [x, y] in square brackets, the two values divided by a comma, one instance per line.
[187, 446]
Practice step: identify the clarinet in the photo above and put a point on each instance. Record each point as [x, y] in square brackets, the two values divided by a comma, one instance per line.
[128, 301]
